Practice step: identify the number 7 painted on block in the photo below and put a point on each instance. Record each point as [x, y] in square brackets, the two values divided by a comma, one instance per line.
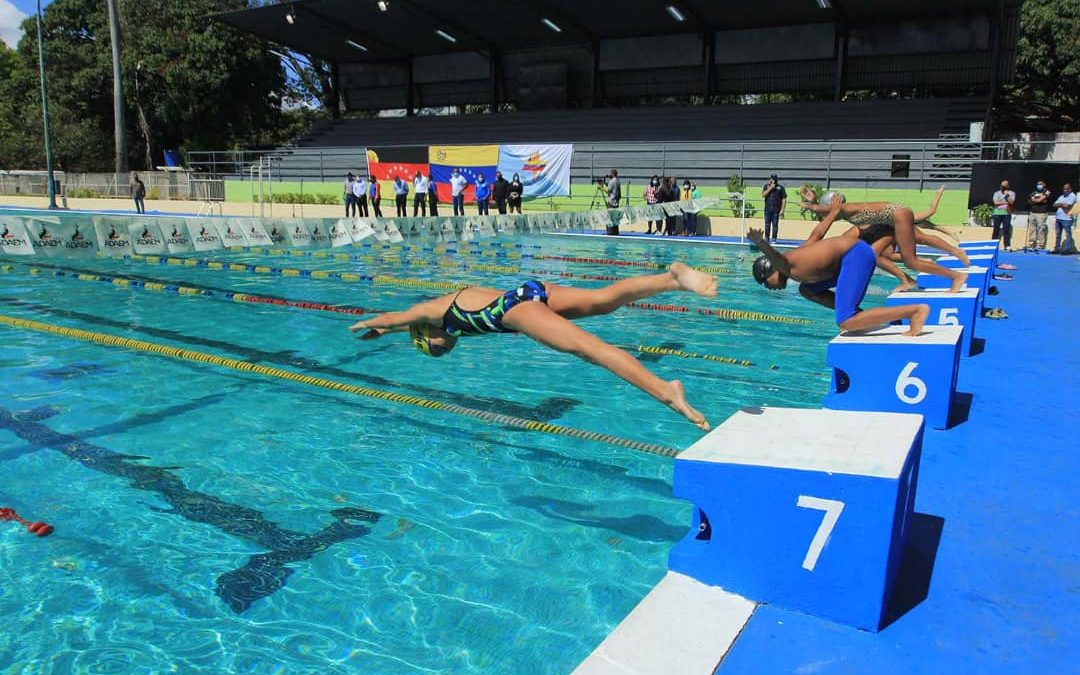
[832, 509]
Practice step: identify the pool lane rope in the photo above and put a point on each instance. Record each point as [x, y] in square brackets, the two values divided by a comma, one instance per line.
[37, 527]
[197, 291]
[268, 371]
[446, 286]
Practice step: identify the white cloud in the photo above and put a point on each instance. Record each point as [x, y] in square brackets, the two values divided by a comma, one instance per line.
[10, 20]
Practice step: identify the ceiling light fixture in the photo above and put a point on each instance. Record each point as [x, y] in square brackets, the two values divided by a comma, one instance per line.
[551, 24]
[824, 4]
[677, 15]
[383, 5]
[357, 45]
[290, 16]
[446, 36]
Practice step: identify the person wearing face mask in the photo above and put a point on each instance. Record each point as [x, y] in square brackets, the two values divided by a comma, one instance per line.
[516, 190]
[500, 191]
[652, 196]
[483, 193]
[458, 184]
[1066, 210]
[1001, 216]
[1038, 206]
[689, 217]
[775, 196]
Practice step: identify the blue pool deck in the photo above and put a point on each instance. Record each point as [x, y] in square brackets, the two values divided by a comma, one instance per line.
[991, 577]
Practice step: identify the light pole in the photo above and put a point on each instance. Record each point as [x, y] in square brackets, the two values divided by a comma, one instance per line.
[121, 164]
[45, 109]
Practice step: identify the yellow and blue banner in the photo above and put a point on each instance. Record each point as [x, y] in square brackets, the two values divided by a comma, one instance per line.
[471, 160]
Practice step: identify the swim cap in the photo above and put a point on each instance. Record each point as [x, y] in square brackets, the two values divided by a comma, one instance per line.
[763, 268]
[828, 197]
[421, 339]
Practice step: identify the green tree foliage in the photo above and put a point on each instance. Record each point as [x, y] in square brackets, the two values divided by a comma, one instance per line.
[1047, 67]
[189, 82]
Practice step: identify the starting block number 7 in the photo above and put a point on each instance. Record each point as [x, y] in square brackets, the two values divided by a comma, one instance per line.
[832, 509]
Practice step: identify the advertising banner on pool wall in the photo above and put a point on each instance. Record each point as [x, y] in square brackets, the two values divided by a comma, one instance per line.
[78, 234]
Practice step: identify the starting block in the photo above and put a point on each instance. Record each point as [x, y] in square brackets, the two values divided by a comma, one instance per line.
[883, 370]
[946, 309]
[805, 509]
[988, 260]
[978, 278]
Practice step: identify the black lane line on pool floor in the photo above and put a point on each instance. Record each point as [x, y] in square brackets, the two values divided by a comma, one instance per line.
[263, 573]
[549, 409]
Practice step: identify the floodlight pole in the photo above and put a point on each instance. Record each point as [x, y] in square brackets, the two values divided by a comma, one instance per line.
[45, 109]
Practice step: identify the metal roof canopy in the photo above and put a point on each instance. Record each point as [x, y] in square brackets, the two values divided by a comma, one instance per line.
[324, 28]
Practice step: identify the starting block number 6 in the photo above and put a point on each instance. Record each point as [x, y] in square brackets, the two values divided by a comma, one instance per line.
[905, 381]
[832, 509]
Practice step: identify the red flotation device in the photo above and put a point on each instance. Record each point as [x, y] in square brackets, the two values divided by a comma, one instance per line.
[39, 528]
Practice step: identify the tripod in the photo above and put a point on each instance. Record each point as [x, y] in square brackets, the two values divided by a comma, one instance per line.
[599, 198]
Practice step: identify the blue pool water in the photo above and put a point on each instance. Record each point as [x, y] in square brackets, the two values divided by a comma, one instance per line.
[209, 520]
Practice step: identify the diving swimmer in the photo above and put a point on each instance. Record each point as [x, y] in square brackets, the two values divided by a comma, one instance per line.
[545, 312]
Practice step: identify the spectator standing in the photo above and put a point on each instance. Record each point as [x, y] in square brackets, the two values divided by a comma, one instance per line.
[420, 190]
[500, 191]
[375, 193]
[614, 190]
[652, 196]
[1038, 207]
[516, 190]
[669, 193]
[401, 196]
[350, 198]
[433, 197]
[1066, 206]
[775, 196]
[689, 217]
[483, 193]
[458, 183]
[360, 188]
[138, 193]
[1001, 216]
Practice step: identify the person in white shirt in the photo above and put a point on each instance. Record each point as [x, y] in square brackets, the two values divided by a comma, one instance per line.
[360, 188]
[401, 196]
[457, 191]
[1064, 221]
[420, 187]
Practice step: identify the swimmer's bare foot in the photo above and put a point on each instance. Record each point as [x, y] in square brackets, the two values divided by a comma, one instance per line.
[678, 403]
[918, 320]
[908, 284]
[958, 281]
[689, 279]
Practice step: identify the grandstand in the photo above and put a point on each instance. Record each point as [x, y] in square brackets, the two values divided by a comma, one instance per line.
[599, 80]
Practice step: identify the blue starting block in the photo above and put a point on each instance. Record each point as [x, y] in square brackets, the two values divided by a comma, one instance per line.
[978, 278]
[946, 309]
[980, 243]
[987, 260]
[805, 509]
[883, 370]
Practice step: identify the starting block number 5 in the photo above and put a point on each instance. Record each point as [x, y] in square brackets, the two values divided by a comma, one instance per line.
[948, 316]
[832, 509]
[907, 381]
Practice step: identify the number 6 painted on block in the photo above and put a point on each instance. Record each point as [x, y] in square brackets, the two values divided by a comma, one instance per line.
[832, 509]
[905, 380]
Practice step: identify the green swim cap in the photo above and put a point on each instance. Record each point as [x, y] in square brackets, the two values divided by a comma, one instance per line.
[421, 339]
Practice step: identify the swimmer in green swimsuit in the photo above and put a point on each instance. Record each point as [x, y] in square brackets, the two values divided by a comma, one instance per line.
[545, 312]
[886, 219]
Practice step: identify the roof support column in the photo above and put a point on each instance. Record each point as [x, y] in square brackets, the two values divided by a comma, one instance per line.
[840, 50]
[708, 55]
[595, 48]
[410, 103]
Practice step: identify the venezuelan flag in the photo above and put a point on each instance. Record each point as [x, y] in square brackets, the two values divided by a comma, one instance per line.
[470, 160]
[386, 163]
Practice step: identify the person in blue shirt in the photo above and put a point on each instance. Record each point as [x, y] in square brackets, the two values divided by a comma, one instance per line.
[401, 196]
[1064, 221]
[483, 194]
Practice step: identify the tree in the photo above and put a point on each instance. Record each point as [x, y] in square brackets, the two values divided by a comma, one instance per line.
[1047, 68]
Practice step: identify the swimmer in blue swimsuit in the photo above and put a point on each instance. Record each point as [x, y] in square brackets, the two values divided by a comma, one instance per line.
[545, 312]
[835, 273]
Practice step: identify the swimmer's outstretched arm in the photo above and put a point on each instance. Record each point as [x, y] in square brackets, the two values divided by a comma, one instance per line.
[929, 213]
[548, 328]
[822, 228]
[779, 262]
[425, 312]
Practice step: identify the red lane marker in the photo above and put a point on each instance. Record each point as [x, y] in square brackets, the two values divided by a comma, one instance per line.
[302, 304]
[37, 527]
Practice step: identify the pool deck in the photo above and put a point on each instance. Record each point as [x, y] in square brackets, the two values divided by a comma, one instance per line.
[990, 581]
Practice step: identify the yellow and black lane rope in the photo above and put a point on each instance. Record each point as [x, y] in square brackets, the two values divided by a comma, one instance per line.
[278, 373]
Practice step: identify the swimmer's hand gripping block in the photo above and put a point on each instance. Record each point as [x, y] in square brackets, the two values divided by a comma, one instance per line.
[884, 371]
[978, 278]
[946, 309]
[805, 509]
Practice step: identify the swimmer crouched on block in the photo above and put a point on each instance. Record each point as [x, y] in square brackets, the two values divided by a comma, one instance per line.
[545, 312]
[845, 264]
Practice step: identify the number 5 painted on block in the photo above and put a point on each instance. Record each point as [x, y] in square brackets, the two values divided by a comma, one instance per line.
[832, 509]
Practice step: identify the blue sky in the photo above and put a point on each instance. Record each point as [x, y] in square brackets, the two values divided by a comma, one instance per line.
[12, 12]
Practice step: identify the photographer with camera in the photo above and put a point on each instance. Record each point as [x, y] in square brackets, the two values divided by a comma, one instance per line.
[775, 197]
[614, 196]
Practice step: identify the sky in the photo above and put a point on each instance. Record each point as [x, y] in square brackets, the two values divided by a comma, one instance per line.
[12, 13]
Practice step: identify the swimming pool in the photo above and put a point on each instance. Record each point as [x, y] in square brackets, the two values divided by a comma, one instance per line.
[212, 519]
